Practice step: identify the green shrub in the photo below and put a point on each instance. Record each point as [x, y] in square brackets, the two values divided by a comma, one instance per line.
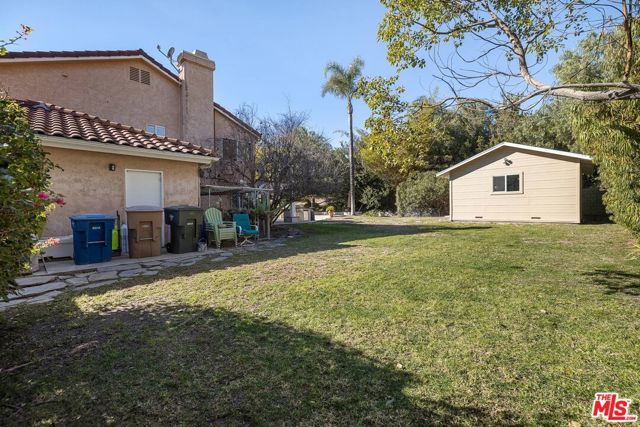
[423, 194]
[330, 209]
[24, 192]
[610, 133]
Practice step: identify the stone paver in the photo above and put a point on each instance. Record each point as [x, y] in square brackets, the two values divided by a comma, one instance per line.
[118, 267]
[131, 273]
[34, 280]
[34, 300]
[150, 263]
[75, 281]
[105, 275]
[95, 285]
[44, 298]
[41, 289]
[169, 264]
[85, 273]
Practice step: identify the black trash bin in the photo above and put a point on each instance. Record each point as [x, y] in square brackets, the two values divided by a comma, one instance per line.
[185, 222]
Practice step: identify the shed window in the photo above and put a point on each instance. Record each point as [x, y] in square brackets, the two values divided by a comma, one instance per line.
[506, 184]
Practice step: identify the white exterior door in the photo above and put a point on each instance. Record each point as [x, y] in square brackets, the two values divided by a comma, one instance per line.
[143, 188]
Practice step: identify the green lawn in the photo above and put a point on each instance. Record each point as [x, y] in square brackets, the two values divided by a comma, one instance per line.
[388, 322]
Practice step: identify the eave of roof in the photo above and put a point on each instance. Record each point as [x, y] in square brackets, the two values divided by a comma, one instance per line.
[55, 121]
[87, 55]
[567, 154]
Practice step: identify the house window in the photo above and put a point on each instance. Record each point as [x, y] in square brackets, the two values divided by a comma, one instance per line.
[157, 130]
[229, 149]
[506, 184]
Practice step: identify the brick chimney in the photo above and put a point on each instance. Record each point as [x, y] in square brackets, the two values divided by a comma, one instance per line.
[196, 73]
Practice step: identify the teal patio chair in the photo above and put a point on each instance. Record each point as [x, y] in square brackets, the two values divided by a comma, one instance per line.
[219, 229]
[245, 229]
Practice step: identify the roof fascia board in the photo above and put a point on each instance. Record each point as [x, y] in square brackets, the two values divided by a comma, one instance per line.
[234, 119]
[94, 58]
[520, 147]
[103, 147]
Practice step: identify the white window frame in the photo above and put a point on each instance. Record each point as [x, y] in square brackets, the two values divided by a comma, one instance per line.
[519, 191]
[155, 129]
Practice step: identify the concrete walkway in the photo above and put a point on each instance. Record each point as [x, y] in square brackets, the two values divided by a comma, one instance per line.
[62, 276]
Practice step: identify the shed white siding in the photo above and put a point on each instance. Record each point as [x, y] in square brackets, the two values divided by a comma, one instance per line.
[550, 188]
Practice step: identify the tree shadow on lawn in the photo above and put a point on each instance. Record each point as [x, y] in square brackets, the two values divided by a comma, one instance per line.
[616, 281]
[184, 365]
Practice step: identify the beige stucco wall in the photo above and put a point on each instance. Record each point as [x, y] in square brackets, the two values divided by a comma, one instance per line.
[90, 187]
[99, 87]
[550, 188]
[227, 128]
[197, 98]
[226, 171]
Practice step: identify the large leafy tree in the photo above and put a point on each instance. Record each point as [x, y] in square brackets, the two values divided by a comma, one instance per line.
[408, 137]
[342, 82]
[609, 131]
[374, 192]
[548, 126]
[511, 40]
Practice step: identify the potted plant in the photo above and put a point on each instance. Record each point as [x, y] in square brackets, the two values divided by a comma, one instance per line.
[330, 211]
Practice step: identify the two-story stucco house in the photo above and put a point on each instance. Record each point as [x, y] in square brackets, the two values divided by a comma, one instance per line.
[126, 131]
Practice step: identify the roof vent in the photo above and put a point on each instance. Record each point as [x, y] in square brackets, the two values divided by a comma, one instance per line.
[134, 74]
[145, 77]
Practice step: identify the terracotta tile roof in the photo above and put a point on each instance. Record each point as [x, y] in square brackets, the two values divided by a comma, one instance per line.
[88, 54]
[52, 120]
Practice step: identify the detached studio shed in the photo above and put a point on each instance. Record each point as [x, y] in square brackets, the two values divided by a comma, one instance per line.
[521, 183]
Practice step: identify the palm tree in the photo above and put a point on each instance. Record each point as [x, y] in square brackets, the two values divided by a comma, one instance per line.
[342, 82]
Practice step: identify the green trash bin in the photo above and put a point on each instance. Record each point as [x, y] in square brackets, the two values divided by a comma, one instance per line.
[185, 222]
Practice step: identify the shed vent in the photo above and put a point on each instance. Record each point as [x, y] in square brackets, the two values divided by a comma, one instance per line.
[478, 217]
[536, 217]
[145, 77]
[134, 74]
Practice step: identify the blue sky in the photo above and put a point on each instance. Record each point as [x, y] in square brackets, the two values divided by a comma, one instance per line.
[268, 53]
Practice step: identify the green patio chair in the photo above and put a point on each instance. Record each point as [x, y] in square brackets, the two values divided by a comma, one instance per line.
[217, 228]
[245, 229]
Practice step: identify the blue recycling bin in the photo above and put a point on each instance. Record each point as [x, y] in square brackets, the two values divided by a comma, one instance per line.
[91, 238]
